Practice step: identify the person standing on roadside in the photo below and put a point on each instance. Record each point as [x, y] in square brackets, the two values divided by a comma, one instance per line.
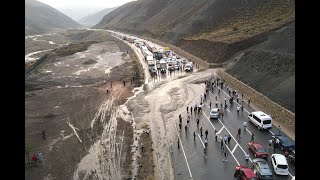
[43, 134]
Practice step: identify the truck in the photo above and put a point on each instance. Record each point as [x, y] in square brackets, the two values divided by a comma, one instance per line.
[171, 66]
[188, 66]
[149, 58]
[158, 55]
[163, 66]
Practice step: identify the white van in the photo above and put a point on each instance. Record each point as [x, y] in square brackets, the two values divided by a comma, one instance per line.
[280, 164]
[261, 120]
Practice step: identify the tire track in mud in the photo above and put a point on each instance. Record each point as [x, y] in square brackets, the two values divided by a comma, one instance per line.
[105, 157]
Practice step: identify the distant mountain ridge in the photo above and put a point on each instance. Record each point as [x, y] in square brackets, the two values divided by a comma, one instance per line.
[42, 18]
[94, 19]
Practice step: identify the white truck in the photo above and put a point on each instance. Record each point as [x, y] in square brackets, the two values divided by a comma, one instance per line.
[163, 66]
[188, 66]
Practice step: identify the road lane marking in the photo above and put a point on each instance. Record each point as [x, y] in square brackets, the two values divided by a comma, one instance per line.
[290, 175]
[231, 153]
[220, 130]
[248, 131]
[209, 120]
[228, 110]
[293, 151]
[234, 139]
[271, 132]
[201, 141]
[234, 148]
[185, 157]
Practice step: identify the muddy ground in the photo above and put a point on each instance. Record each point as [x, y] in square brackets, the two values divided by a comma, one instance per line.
[68, 98]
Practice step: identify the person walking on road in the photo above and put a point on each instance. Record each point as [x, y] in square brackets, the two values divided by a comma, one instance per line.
[270, 143]
[249, 101]
[178, 144]
[180, 119]
[221, 143]
[229, 139]
[225, 100]
[210, 104]
[252, 137]
[201, 131]
[216, 135]
[244, 124]
[238, 109]
[225, 155]
[40, 157]
[239, 133]
[237, 98]
[197, 122]
[141, 147]
[180, 126]
[216, 98]
[222, 113]
[225, 139]
[247, 158]
[206, 143]
[274, 147]
[187, 109]
[206, 132]
[194, 135]
[186, 128]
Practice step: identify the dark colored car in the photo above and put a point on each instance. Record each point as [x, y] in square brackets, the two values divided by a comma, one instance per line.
[284, 142]
[258, 150]
[243, 172]
[262, 169]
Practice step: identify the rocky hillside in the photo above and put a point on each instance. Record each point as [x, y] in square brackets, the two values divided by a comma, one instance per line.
[270, 67]
[94, 19]
[261, 31]
[211, 30]
[41, 18]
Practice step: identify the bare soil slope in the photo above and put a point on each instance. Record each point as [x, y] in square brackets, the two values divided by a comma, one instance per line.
[270, 67]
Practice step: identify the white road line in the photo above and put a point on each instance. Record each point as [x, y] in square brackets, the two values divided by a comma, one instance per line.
[271, 132]
[234, 139]
[228, 110]
[293, 151]
[183, 150]
[209, 120]
[201, 141]
[234, 148]
[220, 130]
[231, 154]
[290, 174]
[248, 131]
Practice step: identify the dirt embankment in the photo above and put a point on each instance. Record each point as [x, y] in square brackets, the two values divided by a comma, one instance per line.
[74, 116]
[278, 113]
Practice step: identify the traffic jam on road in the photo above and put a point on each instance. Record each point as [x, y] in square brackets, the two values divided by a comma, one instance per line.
[160, 60]
[220, 136]
[257, 148]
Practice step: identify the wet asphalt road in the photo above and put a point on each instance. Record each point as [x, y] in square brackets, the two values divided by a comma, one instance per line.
[189, 160]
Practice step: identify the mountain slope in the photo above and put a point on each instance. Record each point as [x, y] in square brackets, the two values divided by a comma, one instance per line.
[225, 26]
[93, 19]
[41, 18]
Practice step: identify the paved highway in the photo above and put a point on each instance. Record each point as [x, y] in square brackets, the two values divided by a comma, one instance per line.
[190, 161]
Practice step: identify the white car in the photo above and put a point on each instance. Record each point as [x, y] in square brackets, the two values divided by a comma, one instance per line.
[280, 164]
[215, 113]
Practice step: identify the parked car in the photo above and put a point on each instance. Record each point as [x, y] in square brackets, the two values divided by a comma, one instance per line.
[262, 169]
[215, 113]
[280, 164]
[243, 172]
[258, 150]
[284, 142]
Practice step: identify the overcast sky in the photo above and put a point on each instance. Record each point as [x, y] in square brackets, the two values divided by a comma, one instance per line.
[76, 9]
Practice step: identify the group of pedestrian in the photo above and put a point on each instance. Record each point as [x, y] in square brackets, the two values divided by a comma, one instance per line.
[36, 159]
